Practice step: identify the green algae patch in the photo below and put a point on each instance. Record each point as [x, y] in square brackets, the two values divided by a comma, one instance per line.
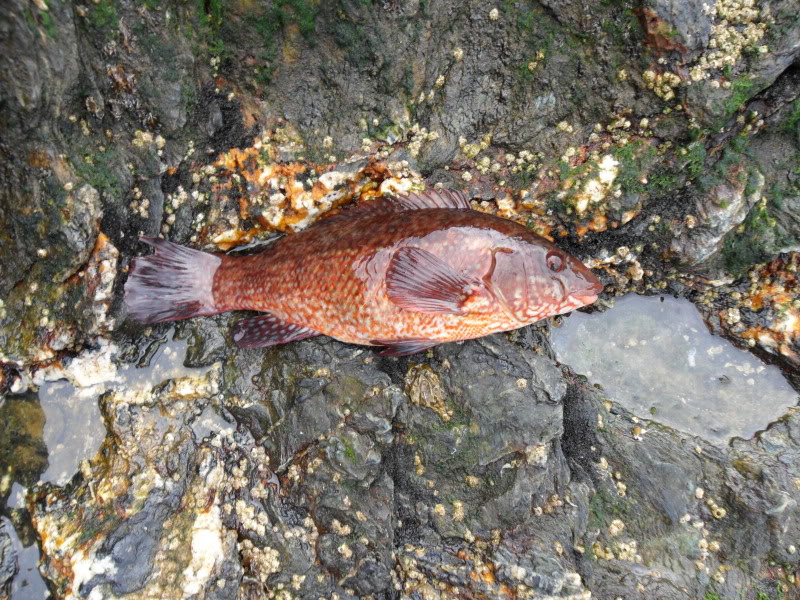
[23, 453]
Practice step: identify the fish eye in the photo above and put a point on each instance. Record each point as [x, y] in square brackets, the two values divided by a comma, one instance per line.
[554, 262]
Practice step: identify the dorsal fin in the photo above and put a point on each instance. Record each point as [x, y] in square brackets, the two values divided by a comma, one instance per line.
[391, 204]
[432, 199]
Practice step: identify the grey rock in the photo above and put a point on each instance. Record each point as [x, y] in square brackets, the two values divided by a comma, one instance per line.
[718, 212]
[320, 468]
[8, 559]
[685, 24]
[662, 488]
[512, 393]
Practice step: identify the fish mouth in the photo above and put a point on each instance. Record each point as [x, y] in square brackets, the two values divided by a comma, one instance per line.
[586, 298]
[589, 294]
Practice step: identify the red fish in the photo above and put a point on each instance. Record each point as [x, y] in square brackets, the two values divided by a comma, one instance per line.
[406, 273]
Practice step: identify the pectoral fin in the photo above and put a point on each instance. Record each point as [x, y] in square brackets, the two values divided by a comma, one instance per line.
[268, 330]
[418, 281]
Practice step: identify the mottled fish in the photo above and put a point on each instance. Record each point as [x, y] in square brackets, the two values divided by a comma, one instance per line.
[405, 273]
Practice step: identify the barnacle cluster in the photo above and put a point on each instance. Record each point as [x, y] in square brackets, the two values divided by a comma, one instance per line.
[663, 84]
[96, 278]
[595, 187]
[739, 25]
[472, 150]
[255, 192]
[536, 60]
[622, 265]
[434, 572]
[424, 387]
[772, 305]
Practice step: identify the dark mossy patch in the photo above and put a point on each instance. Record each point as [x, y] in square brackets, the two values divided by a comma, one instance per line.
[103, 16]
[734, 155]
[755, 241]
[43, 19]
[604, 508]
[741, 92]
[97, 170]
[22, 449]
[792, 122]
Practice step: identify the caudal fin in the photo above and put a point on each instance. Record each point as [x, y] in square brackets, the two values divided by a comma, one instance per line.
[174, 283]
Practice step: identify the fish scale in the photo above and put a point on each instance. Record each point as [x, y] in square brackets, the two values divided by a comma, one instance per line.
[407, 273]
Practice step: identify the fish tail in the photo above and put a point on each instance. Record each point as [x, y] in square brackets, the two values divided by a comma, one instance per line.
[174, 283]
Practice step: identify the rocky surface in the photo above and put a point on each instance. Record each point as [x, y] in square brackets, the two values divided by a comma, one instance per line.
[657, 140]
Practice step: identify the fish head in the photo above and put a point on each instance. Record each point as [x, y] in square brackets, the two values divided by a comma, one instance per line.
[571, 280]
[535, 279]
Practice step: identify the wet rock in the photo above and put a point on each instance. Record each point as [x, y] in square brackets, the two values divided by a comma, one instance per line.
[686, 530]
[718, 212]
[149, 469]
[332, 480]
[73, 223]
[208, 342]
[496, 455]
[23, 453]
[761, 312]
[681, 26]
[319, 468]
[8, 560]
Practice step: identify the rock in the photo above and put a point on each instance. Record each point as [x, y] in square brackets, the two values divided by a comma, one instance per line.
[756, 312]
[718, 212]
[8, 560]
[681, 26]
[704, 525]
[657, 141]
[22, 450]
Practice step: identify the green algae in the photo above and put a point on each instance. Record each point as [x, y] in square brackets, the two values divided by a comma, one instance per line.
[98, 171]
[23, 453]
[741, 91]
[103, 16]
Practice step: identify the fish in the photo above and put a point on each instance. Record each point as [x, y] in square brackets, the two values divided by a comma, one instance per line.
[402, 272]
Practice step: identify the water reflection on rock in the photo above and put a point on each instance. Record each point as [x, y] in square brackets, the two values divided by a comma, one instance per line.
[73, 429]
[655, 356]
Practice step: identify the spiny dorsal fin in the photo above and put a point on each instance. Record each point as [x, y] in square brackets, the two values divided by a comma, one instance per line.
[412, 201]
[432, 199]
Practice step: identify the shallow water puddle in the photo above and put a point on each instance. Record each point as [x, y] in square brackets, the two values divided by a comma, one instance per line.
[74, 428]
[655, 356]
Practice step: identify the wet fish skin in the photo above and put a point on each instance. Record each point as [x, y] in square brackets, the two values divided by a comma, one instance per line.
[387, 274]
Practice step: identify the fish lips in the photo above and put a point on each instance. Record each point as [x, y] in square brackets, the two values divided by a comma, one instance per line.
[586, 299]
[589, 294]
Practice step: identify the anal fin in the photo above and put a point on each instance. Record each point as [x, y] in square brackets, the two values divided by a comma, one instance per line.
[268, 330]
[404, 347]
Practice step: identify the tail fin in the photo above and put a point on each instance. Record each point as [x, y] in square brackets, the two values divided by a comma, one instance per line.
[174, 283]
